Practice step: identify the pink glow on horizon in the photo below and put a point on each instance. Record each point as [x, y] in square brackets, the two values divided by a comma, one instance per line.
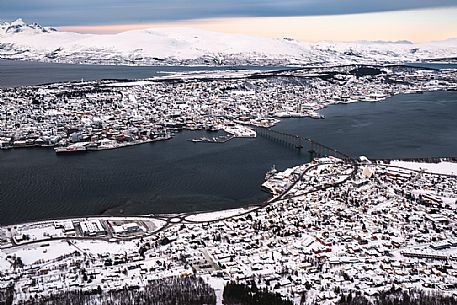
[417, 26]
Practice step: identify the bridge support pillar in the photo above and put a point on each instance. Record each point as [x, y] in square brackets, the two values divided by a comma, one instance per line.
[312, 154]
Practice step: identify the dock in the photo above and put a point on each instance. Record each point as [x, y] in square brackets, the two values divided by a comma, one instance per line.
[218, 139]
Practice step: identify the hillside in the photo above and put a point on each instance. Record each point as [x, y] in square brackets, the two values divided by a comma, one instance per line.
[171, 46]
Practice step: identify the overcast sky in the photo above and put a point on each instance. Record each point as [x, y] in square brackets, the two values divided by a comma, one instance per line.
[309, 20]
[96, 12]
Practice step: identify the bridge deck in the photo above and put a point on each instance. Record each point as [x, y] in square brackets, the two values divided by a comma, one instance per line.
[316, 149]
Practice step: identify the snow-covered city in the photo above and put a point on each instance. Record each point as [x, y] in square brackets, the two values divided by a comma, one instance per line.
[109, 196]
[332, 227]
[91, 116]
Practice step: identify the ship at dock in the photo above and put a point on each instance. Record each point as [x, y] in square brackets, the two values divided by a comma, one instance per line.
[73, 149]
[218, 139]
[271, 173]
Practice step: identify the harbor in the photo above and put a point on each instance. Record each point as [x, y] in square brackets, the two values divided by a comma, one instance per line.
[115, 114]
[142, 178]
[228, 153]
[150, 203]
[105, 145]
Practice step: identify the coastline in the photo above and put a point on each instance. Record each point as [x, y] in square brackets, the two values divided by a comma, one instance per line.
[412, 164]
[181, 242]
[278, 119]
[124, 204]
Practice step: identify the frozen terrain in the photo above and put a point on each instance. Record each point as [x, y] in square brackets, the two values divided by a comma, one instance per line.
[169, 46]
[334, 227]
[446, 168]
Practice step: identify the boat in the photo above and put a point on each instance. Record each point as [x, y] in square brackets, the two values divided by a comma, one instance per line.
[271, 173]
[92, 147]
[315, 115]
[211, 128]
[70, 150]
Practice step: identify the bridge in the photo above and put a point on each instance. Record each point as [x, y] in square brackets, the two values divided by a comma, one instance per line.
[316, 149]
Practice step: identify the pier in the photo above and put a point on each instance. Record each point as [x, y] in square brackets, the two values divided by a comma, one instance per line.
[218, 139]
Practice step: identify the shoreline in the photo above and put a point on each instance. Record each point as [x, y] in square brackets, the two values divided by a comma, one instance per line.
[98, 122]
[277, 120]
[236, 244]
[173, 218]
[250, 206]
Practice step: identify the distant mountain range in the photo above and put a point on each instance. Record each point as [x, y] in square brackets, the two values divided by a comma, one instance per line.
[385, 41]
[186, 46]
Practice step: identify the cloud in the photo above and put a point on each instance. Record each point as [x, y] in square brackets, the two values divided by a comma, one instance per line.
[416, 25]
[92, 12]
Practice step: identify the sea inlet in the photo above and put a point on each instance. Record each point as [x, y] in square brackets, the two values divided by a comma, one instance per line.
[181, 176]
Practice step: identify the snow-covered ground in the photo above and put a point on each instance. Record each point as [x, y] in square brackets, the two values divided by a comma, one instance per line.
[447, 168]
[4, 264]
[218, 285]
[45, 251]
[217, 215]
[240, 131]
[40, 231]
[19, 40]
[384, 225]
[96, 247]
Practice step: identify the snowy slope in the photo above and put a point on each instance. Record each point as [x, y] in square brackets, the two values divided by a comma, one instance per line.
[19, 40]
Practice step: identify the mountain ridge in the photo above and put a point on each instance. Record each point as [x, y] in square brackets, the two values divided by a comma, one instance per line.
[170, 46]
[19, 25]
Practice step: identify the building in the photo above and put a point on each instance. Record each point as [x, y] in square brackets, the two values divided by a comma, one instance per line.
[92, 228]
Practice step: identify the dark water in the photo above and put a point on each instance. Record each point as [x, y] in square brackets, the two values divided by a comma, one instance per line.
[171, 176]
[404, 126]
[179, 175]
[23, 73]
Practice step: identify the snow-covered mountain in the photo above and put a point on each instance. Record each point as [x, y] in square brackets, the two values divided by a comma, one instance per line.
[19, 40]
[19, 25]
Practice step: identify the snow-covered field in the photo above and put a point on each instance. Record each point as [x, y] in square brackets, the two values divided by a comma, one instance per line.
[217, 215]
[4, 264]
[19, 40]
[44, 251]
[95, 247]
[447, 168]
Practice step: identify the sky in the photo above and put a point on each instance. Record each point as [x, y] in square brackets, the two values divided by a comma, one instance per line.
[308, 20]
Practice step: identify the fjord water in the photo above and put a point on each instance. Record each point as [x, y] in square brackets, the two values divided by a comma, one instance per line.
[15, 73]
[23, 73]
[171, 176]
[178, 175]
[403, 126]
